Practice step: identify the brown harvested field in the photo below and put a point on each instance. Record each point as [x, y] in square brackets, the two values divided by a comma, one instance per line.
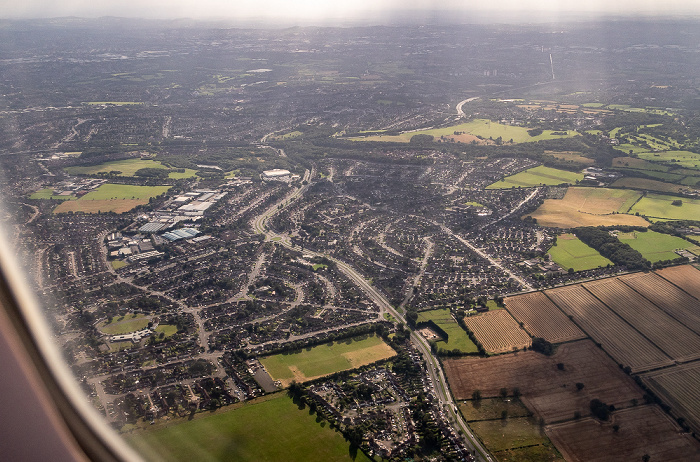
[619, 339]
[672, 337]
[549, 392]
[651, 185]
[589, 207]
[542, 318]
[678, 387]
[685, 277]
[666, 296]
[95, 206]
[643, 430]
[497, 331]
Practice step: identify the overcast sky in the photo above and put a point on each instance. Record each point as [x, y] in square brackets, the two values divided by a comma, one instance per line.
[343, 10]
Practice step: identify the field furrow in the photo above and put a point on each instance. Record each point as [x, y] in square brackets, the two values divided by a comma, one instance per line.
[678, 387]
[676, 340]
[497, 331]
[618, 338]
[685, 276]
[542, 318]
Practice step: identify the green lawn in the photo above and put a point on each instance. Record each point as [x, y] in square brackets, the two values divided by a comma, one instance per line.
[124, 326]
[116, 264]
[685, 159]
[124, 191]
[536, 176]
[478, 127]
[327, 358]
[571, 252]
[47, 193]
[457, 337]
[660, 206]
[270, 429]
[127, 167]
[655, 246]
[167, 329]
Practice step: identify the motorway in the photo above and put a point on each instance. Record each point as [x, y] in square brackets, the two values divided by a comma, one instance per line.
[434, 369]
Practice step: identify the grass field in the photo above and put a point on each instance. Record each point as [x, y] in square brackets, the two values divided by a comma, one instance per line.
[638, 164]
[648, 185]
[167, 329]
[492, 408]
[570, 252]
[457, 337]
[326, 359]
[660, 206]
[589, 207]
[479, 127]
[571, 156]
[536, 176]
[109, 197]
[499, 435]
[47, 193]
[127, 167]
[685, 159]
[655, 246]
[128, 324]
[269, 429]
[116, 264]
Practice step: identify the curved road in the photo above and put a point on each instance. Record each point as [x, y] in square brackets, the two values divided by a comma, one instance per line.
[435, 373]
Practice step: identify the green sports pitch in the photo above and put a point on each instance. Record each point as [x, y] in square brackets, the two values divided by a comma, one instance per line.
[537, 176]
[571, 252]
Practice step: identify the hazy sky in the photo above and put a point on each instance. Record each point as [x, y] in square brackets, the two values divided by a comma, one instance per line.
[319, 10]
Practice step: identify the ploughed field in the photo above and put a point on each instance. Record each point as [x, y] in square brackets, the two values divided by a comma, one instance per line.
[548, 390]
[542, 318]
[497, 331]
[642, 430]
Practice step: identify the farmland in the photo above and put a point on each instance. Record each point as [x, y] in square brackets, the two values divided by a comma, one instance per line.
[660, 206]
[126, 167]
[686, 277]
[654, 246]
[618, 338]
[541, 318]
[571, 157]
[666, 296]
[674, 158]
[649, 185]
[570, 252]
[536, 176]
[497, 331]
[326, 359]
[677, 387]
[589, 207]
[492, 408]
[503, 434]
[457, 337]
[243, 434]
[117, 198]
[642, 430]
[547, 390]
[483, 128]
[673, 338]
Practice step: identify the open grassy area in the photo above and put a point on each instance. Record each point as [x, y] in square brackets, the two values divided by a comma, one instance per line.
[492, 408]
[457, 337]
[124, 325]
[685, 159]
[590, 207]
[536, 176]
[126, 167]
[648, 185]
[660, 206]
[502, 434]
[109, 197]
[167, 329]
[325, 359]
[116, 264]
[571, 252]
[47, 193]
[571, 157]
[655, 246]
[269, 429]
[479, 127]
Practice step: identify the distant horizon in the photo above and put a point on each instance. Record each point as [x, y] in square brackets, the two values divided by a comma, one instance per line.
[316, 12]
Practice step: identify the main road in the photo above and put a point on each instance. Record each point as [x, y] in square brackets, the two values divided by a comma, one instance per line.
[434, 369]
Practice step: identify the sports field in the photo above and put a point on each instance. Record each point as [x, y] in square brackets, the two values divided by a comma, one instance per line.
[326, 359]
[268, 429]
[478, 127]
[590, 207]
[124, 324]
[126, 167]
[536, 176]
[655, 246]
[47, 193]
[571, 252]
[457, 337]
[661, 206]
[109, 197]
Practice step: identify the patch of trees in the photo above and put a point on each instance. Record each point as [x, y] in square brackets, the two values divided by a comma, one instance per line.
[610, 247]
[541, 345]
[601, 410]
[150, 172]
[535, 132]
[422, 139]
